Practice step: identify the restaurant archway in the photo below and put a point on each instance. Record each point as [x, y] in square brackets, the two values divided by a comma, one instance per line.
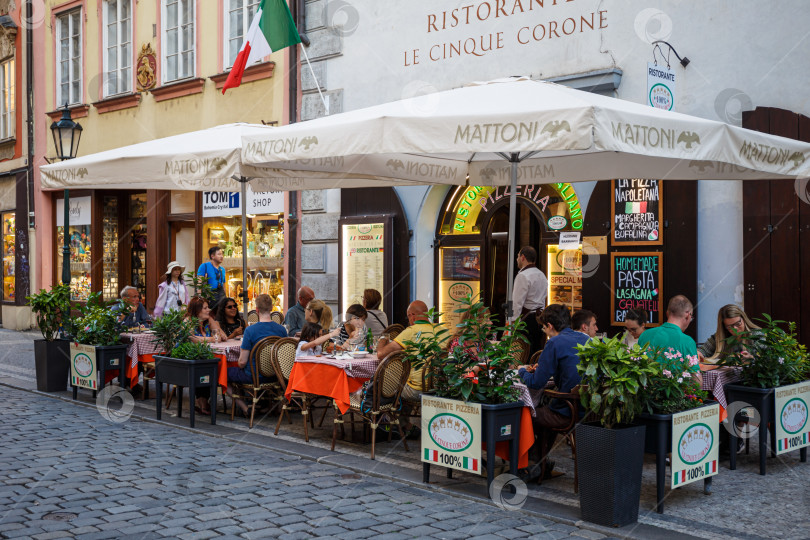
[472, 239]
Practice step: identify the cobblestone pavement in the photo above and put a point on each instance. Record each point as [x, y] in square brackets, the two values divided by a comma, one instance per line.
[17, 354]
[147, 480]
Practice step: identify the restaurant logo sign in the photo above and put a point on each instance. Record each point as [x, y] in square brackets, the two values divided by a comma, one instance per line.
[451, 433]
[556, 223]
[792, 429]
[660, 87]
[694, 444]
[460, 291]
[83, 366]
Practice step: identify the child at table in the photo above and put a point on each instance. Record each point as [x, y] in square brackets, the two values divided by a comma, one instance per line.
[311, 340]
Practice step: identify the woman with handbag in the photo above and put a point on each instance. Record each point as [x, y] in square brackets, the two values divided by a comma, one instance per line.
[172, 292]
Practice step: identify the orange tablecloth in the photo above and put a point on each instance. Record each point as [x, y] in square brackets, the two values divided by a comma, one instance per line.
[323, 380]
[526, 441]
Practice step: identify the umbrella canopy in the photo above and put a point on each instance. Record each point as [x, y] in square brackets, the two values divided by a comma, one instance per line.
[559, 135]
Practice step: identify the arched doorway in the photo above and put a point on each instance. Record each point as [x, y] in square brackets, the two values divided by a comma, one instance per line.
[530, 229]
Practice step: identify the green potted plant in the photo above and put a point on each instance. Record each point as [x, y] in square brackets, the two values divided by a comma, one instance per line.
[610, 452]
[201, 287]
[52, 353]
[670, 389]
[170, 330]
[98, 327]
[448, 371]
[772, 357]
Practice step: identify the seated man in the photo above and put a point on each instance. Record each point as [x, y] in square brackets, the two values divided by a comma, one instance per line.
[412, 392]
[133, 313]
[670, 335]
[584, 321]
[253, 334]
[560, 360]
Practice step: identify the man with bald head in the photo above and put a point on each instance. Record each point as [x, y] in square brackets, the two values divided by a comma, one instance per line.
[294, 319]
[419, 327]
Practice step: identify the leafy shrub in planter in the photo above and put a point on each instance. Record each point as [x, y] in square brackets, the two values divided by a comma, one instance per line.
[778, 359]
[193, 351]
[171, 329]
[98, 325]
[52, 309]
[615, 376]
[671, 387]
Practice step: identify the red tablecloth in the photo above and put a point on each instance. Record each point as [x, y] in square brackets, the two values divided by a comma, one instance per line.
[713, 380]
[323, 380]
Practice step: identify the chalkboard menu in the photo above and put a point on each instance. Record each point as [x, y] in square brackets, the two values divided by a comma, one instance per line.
[636, 280]
[636, 210]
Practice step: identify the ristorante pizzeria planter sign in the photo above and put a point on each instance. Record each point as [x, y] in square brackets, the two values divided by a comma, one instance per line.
[695, 444]
[792, 424]
[451, 434]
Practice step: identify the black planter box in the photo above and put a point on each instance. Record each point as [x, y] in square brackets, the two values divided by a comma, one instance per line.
[52, 361]
[499, 423]
[763, 400]
[191, 374]
[610, 462]
[109, 358]
[658, 441]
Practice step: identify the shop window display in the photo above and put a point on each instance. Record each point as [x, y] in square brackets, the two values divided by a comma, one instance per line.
[8, 256]
[137, 219]
[265, 255]
[80, 258]
[110, 284]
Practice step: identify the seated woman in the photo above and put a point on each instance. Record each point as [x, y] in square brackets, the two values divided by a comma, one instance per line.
[318, 312]
[230, 320]
[377, 320]
[353, 331]
[312, 340]
[199, 312]
[731, 321]
[635, 323]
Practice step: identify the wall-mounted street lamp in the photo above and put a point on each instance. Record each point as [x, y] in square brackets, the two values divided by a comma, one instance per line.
[66, 135]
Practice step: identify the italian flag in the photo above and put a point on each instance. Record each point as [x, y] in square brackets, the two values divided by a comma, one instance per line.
[635, 207]
[272, 29]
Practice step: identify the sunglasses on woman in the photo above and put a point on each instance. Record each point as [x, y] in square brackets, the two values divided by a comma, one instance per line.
[231, 306]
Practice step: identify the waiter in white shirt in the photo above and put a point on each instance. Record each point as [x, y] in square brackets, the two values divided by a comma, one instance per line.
[529, 296]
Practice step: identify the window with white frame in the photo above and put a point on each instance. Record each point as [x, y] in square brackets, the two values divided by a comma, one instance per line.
[178, 39]
[117, 47]
[7, 99]
[238, 16]
[69, 64]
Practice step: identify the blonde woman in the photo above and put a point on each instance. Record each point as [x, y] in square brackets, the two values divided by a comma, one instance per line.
[731, 322]
[318, 312]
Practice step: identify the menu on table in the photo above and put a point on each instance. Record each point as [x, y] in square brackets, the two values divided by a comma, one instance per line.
[636, 209]
[636, 282]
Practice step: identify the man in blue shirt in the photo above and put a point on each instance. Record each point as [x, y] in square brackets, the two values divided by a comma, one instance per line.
[213, 272]
[559, 360]
[254, 334]
[294, 320]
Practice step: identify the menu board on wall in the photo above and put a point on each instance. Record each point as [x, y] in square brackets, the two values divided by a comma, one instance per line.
[636, 281]
[363, 261]
[636, 209]
[565, 277]
[460, 276]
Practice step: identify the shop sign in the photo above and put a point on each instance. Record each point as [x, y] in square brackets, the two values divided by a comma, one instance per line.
[660, 87]
[792, 427]
[695, 444]
[83, 366]
[569, 240]
[636, 210]
[636, 280]
[80, 211]
[451, 433]
[228, 203]
[556, 223]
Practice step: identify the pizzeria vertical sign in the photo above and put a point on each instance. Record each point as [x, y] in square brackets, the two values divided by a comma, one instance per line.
[636, 211]
[363, 267]
[83, 366]
[695, 444]
[791, 409]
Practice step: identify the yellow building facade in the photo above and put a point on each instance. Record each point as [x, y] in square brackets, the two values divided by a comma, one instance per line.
[136, 71]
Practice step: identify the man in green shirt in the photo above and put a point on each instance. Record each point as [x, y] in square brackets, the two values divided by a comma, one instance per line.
[670, 335]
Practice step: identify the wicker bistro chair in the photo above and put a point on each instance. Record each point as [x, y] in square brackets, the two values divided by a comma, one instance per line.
[253, 316]
[385, 388]
[277, 316]
[571, 400]
[520, 352]
[393, 330]
[260, 365]
[283, 358]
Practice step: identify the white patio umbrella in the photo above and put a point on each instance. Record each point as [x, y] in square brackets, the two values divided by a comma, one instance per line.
[204, 160]
[515, 131]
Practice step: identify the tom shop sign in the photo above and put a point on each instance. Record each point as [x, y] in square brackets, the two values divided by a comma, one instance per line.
[228, 203]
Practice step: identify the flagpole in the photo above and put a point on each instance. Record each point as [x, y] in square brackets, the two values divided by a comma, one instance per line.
[317, 84]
